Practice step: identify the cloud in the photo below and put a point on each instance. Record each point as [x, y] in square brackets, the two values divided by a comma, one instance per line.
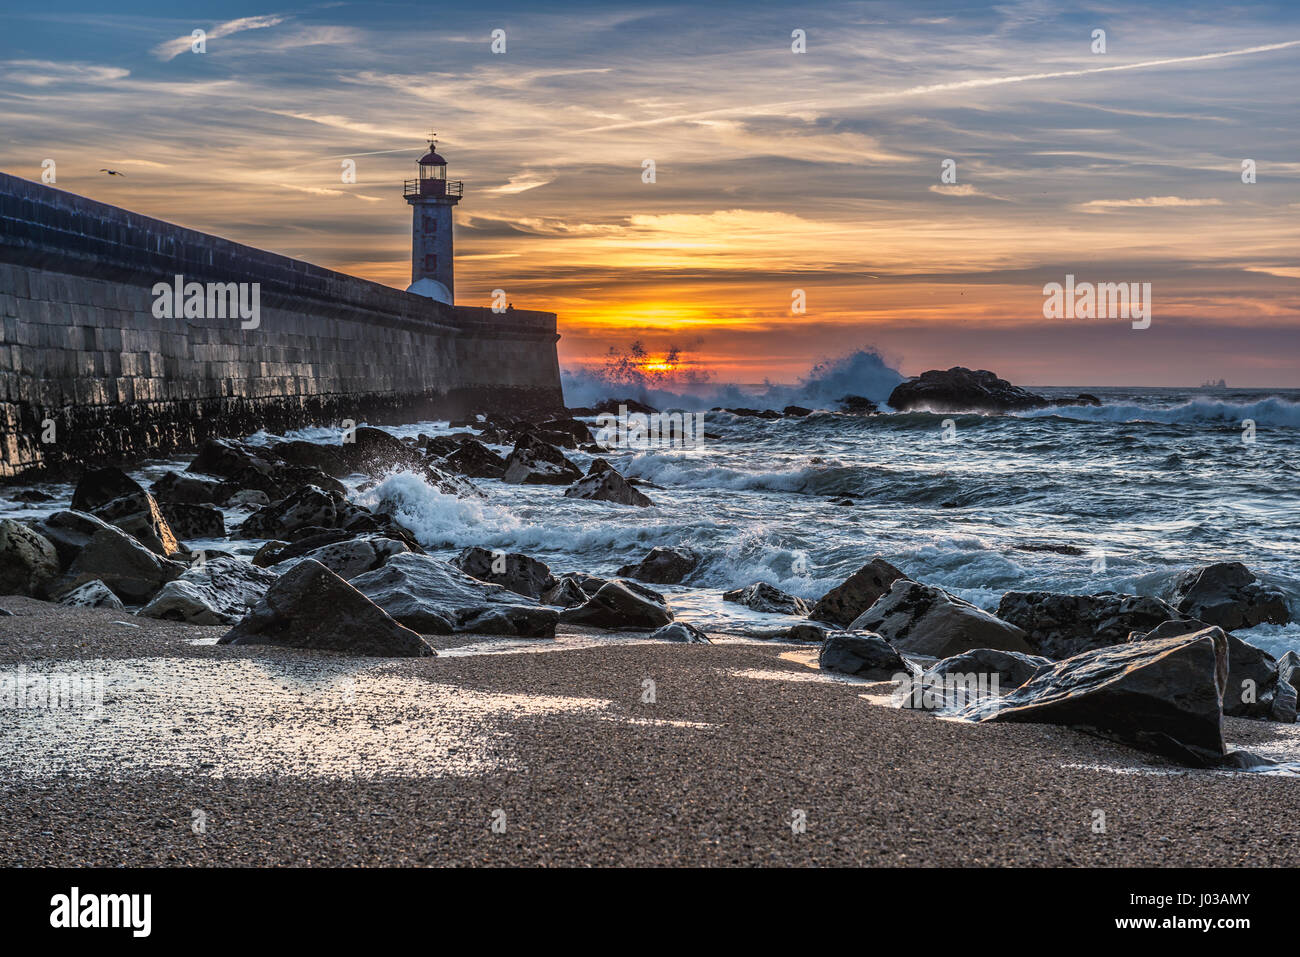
[522, 182]
[171, 49]
[48, 73]
[1101, 205]
[964, 189]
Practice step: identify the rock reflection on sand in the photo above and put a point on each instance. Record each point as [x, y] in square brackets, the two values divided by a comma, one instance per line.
[252, 717]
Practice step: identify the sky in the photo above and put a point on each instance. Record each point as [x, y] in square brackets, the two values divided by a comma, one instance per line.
[774, 171]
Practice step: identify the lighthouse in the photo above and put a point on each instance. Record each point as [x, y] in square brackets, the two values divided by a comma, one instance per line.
[432, 198]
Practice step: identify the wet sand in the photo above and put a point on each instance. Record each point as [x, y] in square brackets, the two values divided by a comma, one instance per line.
[299, 758]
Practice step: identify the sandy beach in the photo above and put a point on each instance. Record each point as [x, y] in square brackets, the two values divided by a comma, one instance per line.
[262, 756]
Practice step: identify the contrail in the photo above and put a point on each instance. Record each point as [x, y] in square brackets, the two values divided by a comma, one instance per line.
[794, 105]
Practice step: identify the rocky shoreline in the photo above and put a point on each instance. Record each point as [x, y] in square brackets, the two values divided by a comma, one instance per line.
[336, 576]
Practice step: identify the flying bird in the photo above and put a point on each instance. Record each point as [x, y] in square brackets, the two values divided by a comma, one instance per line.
[112, 172]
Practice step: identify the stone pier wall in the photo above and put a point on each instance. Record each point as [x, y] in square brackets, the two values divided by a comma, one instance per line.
[89, 375]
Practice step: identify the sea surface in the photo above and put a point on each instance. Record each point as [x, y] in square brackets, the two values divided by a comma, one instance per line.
[1074, 499]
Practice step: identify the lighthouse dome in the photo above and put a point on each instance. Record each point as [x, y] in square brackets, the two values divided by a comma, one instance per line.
[431, 158]
[430, 289]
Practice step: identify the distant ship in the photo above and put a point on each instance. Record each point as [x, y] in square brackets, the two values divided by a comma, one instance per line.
[1214, 385]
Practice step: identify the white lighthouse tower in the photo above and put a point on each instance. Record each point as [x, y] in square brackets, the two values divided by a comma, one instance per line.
[432, 198]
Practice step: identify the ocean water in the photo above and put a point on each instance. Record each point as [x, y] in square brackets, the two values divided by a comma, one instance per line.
[1073, 499]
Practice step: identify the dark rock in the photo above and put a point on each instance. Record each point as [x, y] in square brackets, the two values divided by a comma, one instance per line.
[961, 390]
[217, 591]
[607, 487]
[228, 458]
[1287, 687]
[376, 452]
[185, 489]
[350, 558]
[32, 496]
[138, 514]
[1227, 594]
[857, 593]
[304, 540]
[98, 486]
[578, 432]
[435, 597]
[863, 654]
[566, 593]
[1058, 626]
[621, 604]
[806, 632]
[310, 506]
[663, 565]
[858, 405]
[519, 573]
[29, 563]
[311, 607]
[248, 497]
[536, 462]
[1252, 672]
[69, 532]
[133, 572]
[926, 620]
[755, 413]
[194, 521]
[1161, 695]
[599, 466]
[93, 594]
[476, 460]
[1011, 668]
[683, 632]
[612, 407]
[769, 599]
[796, 411]
[323, 458]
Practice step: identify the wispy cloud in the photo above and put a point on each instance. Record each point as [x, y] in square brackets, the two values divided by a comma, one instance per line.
[1101, 205]
[171, 49]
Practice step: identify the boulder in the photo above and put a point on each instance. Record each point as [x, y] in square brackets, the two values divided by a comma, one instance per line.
[1163, 695]
[566, 593]
[1058, 626]
[248, 498]
[29, 563]
[435, 597]
[376, 452]
[218, 591]
[476, 460]
[310, 506]
[607, 487]
[535, 462]
[856, 594]
[133, 572]
[1285, 690]
[350, 558]
[858, 405]
[94, 594]
[1227, 594]
[185, 489]
[97, 486]
[926, 620]
[138, 514]
[807, 632]
[621, 604]
[863, 654]
[228, 459]
[69, 532]
[616, 406]
[1252, 672]
[519, 573]
[796, 411]
[190, 520]
[575, 431]
[682, 632]
[1011, 669]
[961, 390]
[662, 565]
[763, 597]
[311, 607]
[324, 458]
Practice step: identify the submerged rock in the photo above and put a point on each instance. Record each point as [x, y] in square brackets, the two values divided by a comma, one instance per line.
[763, 597]
[1227, 594]
[218, 591]
[311, 607]
[847, 600]
[621, 604]
[663, 565]
[926, 620]
[29, 563]
[94, 594]
[861, 653]
[608, 486]
[962, 390]
[1162, 695]
[681, 631]
[1058, 626]
[519, 573]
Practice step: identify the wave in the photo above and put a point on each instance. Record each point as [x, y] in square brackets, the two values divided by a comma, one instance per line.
[1273, 412]
[862, 372]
